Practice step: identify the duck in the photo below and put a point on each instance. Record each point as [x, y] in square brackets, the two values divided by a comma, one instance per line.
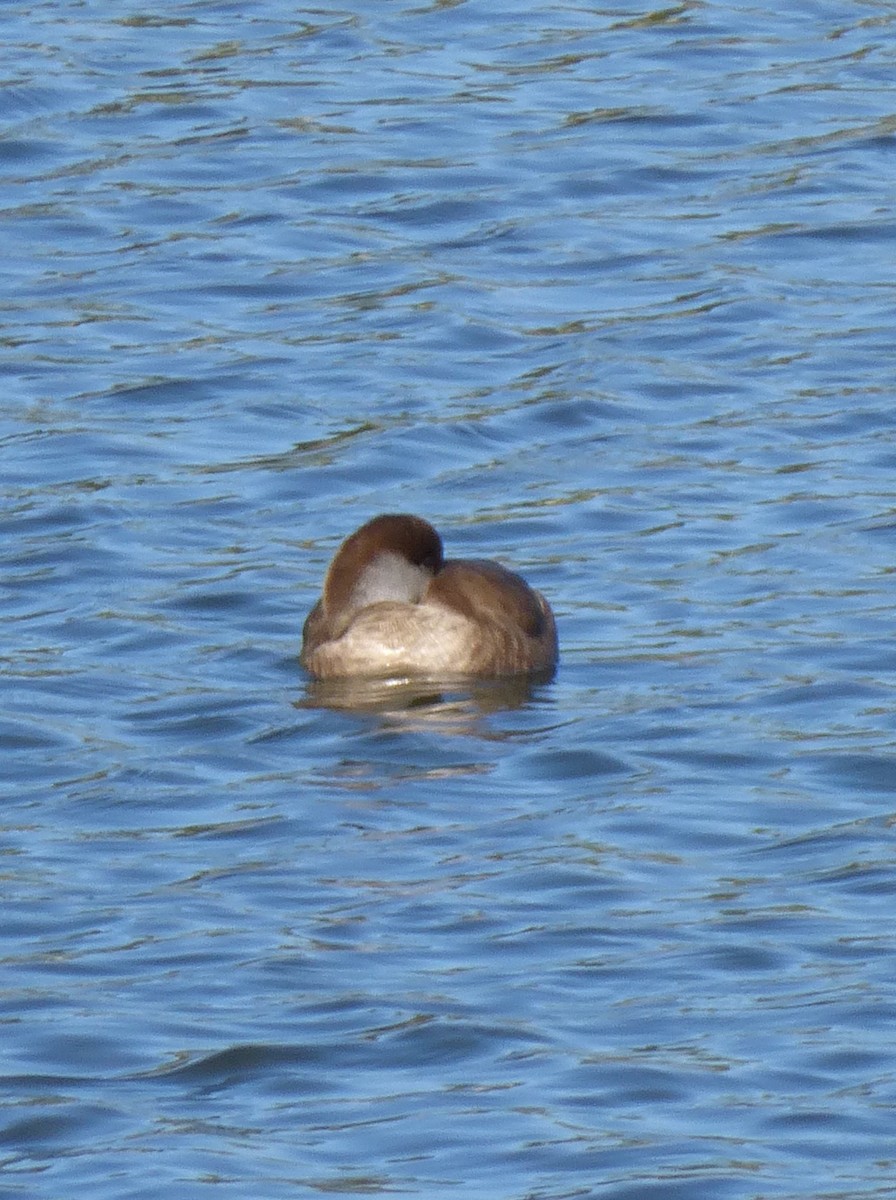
[393, 607]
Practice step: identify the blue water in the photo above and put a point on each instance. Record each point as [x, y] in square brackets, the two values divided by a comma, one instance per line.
[606, 293]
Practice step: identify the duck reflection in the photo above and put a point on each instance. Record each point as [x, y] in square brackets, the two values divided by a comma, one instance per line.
[430, 702]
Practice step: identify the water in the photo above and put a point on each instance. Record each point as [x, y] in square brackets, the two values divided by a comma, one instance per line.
[604, 292]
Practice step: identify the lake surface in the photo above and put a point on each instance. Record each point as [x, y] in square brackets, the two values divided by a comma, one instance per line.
[606, 293]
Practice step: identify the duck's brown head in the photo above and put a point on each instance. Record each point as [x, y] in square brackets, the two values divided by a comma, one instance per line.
[392, 557]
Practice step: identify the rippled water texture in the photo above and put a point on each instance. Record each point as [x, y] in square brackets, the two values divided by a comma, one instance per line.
[606, 293]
